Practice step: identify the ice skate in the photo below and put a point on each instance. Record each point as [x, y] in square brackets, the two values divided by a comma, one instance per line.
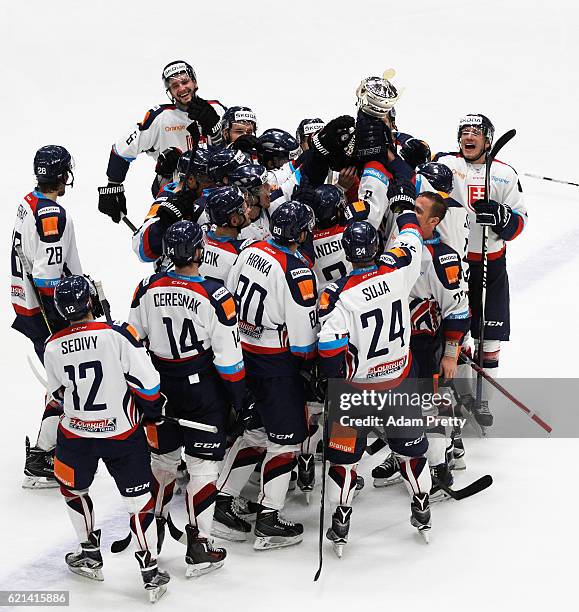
[319, 455]
[38, 468]
[87, 561]
[458, 461]
[360, 484]
[338, 532]
[483, 415]
[443, 474]
[201, 556]
[420, 517]
[161, 525]
[273, 531]
[306, 474]
[154, 579]
[387, 473]
[245, 508]
[227, 524]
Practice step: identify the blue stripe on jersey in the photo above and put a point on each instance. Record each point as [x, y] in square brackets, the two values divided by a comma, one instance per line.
[142, 251]
[358, 271]
[46, 282]
[303, 349]
[459, 315]
[332, 344]
[217, 238]
[194, 279]
[152, 391]
[298, 175]
[376, 174]
[230, 369]
[418, 183]
[412, 231]
[129, 159]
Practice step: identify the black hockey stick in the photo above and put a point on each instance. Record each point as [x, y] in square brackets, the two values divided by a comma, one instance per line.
[322, 501]
[129, 223]
[553, 180]
[499, 144]
[484, 482]
[180, 536]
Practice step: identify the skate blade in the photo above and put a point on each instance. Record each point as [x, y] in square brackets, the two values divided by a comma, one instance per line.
[39, 482]
[425, 534]
[271, 542]
[156, 593]
[308, 496]
[439, 496]
[194, 571]
[92, 573]
[231, 535]
[458, 463]
[386, 482]
[338, 549]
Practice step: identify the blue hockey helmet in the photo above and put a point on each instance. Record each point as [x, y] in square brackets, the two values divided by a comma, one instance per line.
[438, 175]
[248, 176]
[198, 163]
[224, 202]
[277, 146]
[307, 128]
[181, 241]
[223, 161]
[290, 220]
[53, 164]
[238, 114]
[360, 241]
[72, 297]
[328, 205]
[480, 121]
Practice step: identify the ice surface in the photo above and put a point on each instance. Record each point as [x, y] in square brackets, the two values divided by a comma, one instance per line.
[78, 74]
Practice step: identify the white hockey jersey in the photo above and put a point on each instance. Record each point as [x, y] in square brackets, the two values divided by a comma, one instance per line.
[469, 186]
[107, 379]
[330, 262]
[46, 234]
[219, 254]
[365, 316]
[276, 293]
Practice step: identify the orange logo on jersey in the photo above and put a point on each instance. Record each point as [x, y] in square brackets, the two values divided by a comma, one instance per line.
[397, 251]
[229, 308]
[452, 273]
[342, 438]
[132, 331]
[306, 288]
[324, 301]
[50, 226]
[64, 473]
[359, 206]
[152, 437]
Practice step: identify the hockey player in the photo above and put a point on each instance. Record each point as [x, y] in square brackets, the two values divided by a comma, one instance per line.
[365, 335]
[276, 294]
[228, 212]
[168, 129]
[107, 381]
[174, 203]
[440, 318]
[239, 122]
[308, 128]
[190, 325]
[503, 210]
[44, 236]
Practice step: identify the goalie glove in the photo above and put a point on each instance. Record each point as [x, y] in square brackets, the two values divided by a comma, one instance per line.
[335, 142]
[373, 139]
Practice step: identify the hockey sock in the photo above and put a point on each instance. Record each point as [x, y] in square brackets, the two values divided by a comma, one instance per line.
[240, 460]
[491, 352]
[142, 521]
[47, 434]
[275, 474]
[436, 453]
[164, 468]
[341, 485]
[315, 410]
[80, 510]
[415, 474]
[201, 493]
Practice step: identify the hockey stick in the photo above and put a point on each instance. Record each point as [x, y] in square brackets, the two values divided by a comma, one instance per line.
[548, 178]
[104, 302]
[322, 501]
[484, 482]
[180, 536]
[190, 424]
[532, 415]
[129, 223]
[499, 144]
[36, 373]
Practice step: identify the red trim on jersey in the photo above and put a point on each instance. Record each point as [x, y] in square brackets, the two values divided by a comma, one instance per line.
[79, 327]
[150, 398]
[25, 312]
[430, 248]
[332, 231]
[327, 353]
[179, 283]
[224, 246]
[412, 226]
[280, 256]
[32, 202]
[352, 193]
[49, 291]
[491, 256]
[519, 228]
[453, 335]
[378, 166]
[356, 279]
[264, 350]
[239, 375]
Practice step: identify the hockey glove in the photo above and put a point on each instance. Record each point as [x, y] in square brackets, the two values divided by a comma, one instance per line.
[167, 162]
[335, 138]
[492, 213]
[206, 116]
[401, 196]
[415, 152]
[112, 201]
[176, 207]
[373, 139]
[315, 385]
[247, 143]
[305, 193]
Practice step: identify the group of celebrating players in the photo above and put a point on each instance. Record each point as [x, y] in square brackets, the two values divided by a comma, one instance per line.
[279, 263]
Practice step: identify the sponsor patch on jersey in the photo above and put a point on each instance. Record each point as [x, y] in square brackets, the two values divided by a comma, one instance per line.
[100, 426]
[324, 300]
[221, 292]
[388, 260]
[452, 273]
[475, 192]
[152, 437]
[382, 369]
[49, 210]
[306, 288]
[64, 473]
[448, 258]
[252, 331]
[397, 251]
[132, 331]
[299, 272]
[229, 308]
[18, 292]
[342, 438]
[50, 226]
